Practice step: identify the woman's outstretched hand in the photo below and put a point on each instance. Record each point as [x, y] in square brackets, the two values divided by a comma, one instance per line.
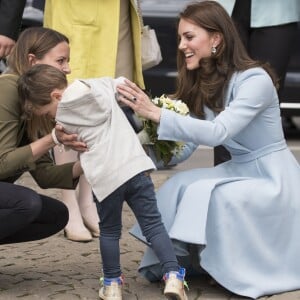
[69, 140]
[131, 95]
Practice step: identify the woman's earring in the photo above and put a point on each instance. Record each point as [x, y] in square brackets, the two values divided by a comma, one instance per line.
[213, 50]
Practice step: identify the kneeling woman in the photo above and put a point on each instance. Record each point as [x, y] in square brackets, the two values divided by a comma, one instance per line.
[243, 215]
[24, 214]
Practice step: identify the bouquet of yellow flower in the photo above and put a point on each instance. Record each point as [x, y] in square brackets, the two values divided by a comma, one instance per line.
[163, 150]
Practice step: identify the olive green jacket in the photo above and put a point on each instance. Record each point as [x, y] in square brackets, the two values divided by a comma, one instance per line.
[15, 153]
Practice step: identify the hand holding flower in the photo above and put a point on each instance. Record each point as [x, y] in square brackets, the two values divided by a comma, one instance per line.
[164, 150]
[150, 110]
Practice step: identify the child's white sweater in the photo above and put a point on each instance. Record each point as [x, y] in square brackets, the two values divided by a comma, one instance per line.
[89, 108]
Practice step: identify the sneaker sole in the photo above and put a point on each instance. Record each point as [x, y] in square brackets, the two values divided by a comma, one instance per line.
[101, 296]
[172, 296]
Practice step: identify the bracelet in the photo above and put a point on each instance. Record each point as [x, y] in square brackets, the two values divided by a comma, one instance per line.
[55, 140]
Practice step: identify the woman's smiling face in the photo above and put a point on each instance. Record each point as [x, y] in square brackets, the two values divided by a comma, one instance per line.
[195, 43]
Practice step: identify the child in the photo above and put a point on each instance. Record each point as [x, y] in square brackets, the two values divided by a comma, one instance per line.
[115, 165]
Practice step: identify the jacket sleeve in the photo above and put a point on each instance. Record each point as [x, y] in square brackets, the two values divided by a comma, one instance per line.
[49, 175]
[187, 151]
[252, 93]
[15, 152]
[11, 12]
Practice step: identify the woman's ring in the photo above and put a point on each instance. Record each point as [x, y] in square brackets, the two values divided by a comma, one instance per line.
[133, 99]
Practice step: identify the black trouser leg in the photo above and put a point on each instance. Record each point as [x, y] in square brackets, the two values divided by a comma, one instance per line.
[27, 216]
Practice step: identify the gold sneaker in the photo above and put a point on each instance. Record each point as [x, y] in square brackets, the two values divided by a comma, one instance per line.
[111, 289]
[174, 285]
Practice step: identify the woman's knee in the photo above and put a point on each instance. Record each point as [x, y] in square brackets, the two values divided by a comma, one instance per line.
[54, 211]
[26, 201]
[62, 215]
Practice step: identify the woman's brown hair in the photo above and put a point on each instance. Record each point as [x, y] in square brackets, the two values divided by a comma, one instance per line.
[36, 85]
[37, 41]
[33, 40]
[206, 85]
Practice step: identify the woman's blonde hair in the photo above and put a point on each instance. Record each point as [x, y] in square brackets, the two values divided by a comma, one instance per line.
[37, 41]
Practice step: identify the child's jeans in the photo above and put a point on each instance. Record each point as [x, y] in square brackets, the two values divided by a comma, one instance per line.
[139, 193]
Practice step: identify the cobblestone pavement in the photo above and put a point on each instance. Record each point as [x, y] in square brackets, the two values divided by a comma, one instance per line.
[56, 268]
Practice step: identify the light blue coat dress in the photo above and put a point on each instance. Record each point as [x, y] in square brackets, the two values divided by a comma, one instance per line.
[244, 214]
